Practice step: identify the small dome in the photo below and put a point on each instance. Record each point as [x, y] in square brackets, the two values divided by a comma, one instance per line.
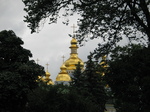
[47, 76]
[47, 73]
[63, 67]
[50, 82]
[63, 75]
[104, 57]
[73, 41]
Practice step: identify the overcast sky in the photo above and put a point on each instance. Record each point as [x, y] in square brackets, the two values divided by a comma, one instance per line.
[50, 44]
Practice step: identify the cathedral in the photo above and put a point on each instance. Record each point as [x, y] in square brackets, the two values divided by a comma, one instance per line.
[67, 69]
[69, 65]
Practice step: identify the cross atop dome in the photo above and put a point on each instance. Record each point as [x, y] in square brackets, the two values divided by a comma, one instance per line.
[63, 58]
[47, 66]
[37, 60]
[73, 27]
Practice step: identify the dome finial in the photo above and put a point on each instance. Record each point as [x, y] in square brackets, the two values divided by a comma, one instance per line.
[37, 60]
[73, 27]
[47, 67]
[63, 58]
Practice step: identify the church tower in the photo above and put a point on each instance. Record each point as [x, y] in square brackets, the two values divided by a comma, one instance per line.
[69, 65]
[73, 59]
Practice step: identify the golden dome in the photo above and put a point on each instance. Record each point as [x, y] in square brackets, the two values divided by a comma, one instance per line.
[103, 62]
[73, 60]
[63, 75]
[46, 78]
[104, 57]
[47, 75]
[50, 82]
[73, 41]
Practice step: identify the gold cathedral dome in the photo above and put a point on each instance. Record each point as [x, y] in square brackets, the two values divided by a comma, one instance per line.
[73, 41]
[74, 59]
[63, 75]
[47, 78]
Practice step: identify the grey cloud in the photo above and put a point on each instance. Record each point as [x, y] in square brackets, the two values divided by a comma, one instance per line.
[50, 44]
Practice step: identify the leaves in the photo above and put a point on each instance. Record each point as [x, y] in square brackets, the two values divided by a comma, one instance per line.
[18, 74]
[125, 77]
[54, 99]
[89, 83]
[111, 17]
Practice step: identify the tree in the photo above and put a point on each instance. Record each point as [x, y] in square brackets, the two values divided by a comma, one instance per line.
[89, 83]
[58, 98]
[107, 19]
[18, 74]
[95, 85]
[78, 80]
[128, 77]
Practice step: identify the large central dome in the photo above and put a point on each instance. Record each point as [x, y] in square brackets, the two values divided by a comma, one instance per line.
[74, 59]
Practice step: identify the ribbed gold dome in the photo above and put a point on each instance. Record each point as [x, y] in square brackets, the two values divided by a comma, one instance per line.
[73, 60]
[63, 75]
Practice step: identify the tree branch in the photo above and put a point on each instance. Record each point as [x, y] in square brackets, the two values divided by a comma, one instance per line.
[145, 11]
[147, 30]
[89, 3]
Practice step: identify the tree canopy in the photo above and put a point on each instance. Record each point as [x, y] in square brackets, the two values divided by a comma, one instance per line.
[18, 74]
[58, 98]
[90, 84]
[107, 19]
[110, 20]
[128, 76]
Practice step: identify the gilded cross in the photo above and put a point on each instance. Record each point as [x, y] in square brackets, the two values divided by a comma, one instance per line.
[37, 60]
[47, 66]
[73, 27]
[63, 58]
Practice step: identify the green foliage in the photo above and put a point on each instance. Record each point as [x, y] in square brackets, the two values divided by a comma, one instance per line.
[95, 85]
[89, 83]
[119, 52]
[18, 74]
[106, 19]
[78, 79]
[128, 76]
[58, 98]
